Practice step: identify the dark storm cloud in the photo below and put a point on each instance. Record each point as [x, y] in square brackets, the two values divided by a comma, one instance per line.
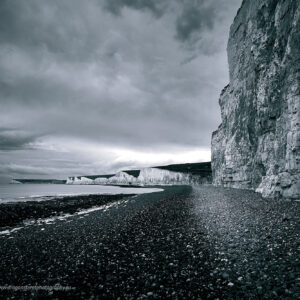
[77, 77]
[157, 7]
[12, 139]
[192, 16]
[47, 26]
[195, 18]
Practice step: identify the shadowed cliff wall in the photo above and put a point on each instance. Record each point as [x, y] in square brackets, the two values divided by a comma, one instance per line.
[257, 144]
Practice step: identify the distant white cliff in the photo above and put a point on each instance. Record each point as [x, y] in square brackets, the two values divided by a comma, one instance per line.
[122, 178]
[160, 176]
[79, 180]
[13, 181]
[147, 176]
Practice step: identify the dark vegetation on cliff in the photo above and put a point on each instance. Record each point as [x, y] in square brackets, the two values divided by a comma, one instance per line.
[202, 169]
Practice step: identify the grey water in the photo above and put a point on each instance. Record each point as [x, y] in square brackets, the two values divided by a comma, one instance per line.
[41, 192]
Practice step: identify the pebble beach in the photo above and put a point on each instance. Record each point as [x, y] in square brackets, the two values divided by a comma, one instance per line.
[183, 243]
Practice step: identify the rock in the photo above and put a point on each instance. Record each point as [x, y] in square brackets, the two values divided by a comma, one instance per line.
[257, 145]
[285, 179]
[225, 275]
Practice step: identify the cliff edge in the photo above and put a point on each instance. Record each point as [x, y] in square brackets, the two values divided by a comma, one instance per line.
[257, 144]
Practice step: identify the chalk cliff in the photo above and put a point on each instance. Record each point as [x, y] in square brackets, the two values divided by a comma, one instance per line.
[147, 176]
[155, 176]
[257, 144]
[187, 173]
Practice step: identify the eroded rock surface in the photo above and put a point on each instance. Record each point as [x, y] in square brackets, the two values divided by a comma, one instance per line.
[257, 144]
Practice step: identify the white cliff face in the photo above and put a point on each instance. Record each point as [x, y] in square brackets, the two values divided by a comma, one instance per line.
[147, 176]
[160, 176]
[70, 180]
[85, 180]
[100, 180]
[257, 145]
[15, 182]
[79, 180]
[122, 178]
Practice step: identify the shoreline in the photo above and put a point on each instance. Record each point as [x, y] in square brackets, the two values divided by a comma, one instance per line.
[15, 213]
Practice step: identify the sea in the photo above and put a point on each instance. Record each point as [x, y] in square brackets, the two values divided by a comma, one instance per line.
[42, 192]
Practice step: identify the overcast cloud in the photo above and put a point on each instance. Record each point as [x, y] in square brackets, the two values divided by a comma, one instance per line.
[99, 85]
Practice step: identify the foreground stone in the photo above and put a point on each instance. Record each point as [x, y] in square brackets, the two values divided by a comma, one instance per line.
[184, 243]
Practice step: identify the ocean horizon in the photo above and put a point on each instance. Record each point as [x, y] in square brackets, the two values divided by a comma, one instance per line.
[42, 192]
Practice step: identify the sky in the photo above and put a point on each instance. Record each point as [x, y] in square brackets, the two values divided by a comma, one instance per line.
[96, 86]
